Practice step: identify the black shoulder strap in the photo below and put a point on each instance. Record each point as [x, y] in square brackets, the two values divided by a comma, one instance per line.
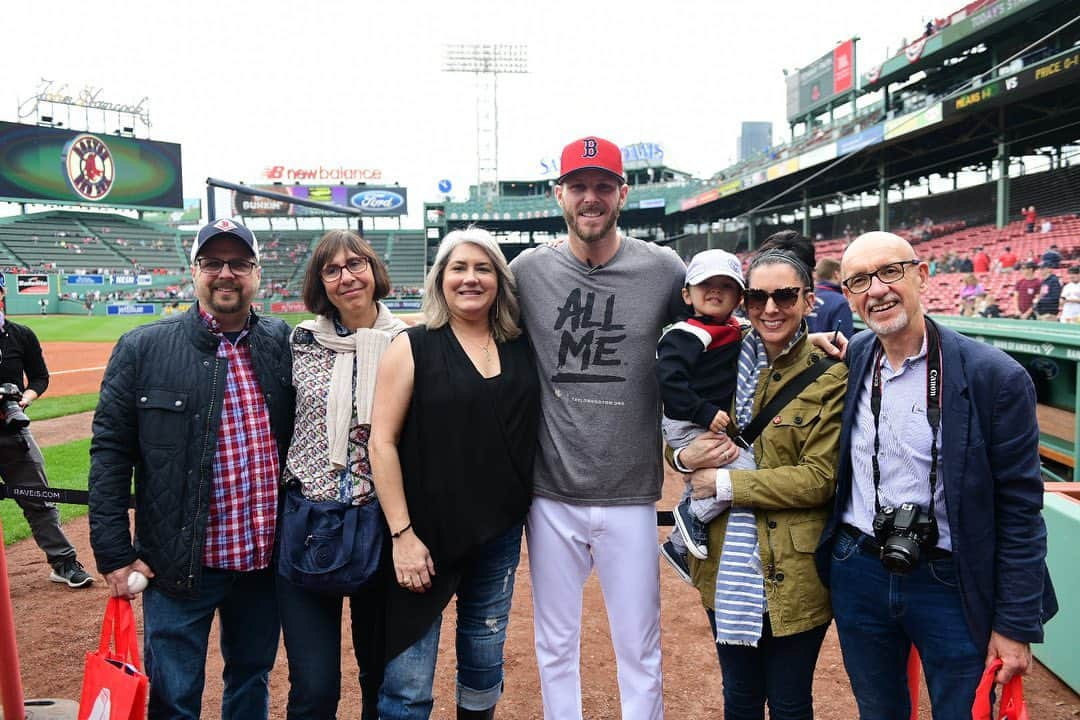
[787, 393]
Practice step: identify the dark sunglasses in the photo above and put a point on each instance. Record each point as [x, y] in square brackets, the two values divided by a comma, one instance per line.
[785, 298]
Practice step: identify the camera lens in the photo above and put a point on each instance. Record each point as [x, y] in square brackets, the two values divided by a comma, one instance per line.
[900, 554]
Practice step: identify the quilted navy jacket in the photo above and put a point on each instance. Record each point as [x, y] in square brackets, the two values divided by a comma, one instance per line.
[158, 417]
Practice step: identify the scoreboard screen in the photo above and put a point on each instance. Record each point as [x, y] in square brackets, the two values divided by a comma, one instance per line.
[41, 164]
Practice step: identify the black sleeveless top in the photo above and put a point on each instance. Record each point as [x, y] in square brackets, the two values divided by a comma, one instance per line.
[466, 448]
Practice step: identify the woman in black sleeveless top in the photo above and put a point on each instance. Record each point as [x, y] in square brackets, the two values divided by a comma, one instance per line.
[454, 432]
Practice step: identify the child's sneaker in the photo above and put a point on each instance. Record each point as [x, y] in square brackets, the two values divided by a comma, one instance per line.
[694, 532]
[677, 560]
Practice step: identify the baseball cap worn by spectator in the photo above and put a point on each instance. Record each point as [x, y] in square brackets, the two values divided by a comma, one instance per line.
[713, 263]
[225, 226]
[591, 153]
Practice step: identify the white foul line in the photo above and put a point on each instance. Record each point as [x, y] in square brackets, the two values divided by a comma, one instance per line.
[76, 370]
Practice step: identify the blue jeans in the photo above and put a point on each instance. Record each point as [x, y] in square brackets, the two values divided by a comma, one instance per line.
[311, 624]
[177, 632]
[779, 670]
[483, 611]
[878, 617]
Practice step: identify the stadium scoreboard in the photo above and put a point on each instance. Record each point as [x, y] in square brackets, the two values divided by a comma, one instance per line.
[43, 164]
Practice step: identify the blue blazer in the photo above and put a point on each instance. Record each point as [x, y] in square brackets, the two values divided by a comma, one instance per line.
[989, 467]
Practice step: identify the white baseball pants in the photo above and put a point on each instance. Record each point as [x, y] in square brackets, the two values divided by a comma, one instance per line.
[565, 543]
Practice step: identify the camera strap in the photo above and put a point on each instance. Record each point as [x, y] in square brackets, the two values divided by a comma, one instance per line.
[933, 411]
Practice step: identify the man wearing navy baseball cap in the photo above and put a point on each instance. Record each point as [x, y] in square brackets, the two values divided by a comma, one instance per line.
[595, 306]
[200, 407]
[226, 227]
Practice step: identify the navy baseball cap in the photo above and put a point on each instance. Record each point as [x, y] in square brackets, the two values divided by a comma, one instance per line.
[225, 226]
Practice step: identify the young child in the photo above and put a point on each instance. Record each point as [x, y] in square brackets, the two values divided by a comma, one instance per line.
[696, 364]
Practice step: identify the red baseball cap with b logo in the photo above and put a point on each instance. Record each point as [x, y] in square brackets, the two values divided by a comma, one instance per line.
[591, 153]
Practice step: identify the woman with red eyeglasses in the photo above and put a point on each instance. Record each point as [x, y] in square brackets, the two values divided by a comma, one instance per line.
[768, 609]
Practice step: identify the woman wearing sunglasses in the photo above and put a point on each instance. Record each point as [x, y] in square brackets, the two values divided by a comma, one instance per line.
[768, 609]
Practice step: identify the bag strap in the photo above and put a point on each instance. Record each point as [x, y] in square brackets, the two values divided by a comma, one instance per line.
[119, 629]
[1012, 696]
[800, 382]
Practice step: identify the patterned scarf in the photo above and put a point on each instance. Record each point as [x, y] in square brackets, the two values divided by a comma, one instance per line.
[739, 601]
[366, 346]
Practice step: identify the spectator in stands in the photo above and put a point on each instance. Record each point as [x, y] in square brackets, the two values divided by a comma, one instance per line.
[970, 289]
[1006, 260]
[454, 435]
[336, 354]
[1027, 291]
[964, 265]
[1046, 226]
[831, 311]
[1052, 257]
[1070, 297]
[932, 263]
[985, 306]
[21, 465]
[980, 261]
[1030, 217]
[1049, 302]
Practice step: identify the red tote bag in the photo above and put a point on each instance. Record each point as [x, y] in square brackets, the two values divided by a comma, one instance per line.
[114, 686]
[1012, 697]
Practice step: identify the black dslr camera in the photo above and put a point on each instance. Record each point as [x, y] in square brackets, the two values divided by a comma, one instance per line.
[14, 417]
[902, 533]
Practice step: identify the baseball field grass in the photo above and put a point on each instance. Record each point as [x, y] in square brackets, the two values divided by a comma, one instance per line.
[67, 466]
[47, 408]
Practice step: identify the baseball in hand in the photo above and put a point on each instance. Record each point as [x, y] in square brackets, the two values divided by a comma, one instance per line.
[137, 582]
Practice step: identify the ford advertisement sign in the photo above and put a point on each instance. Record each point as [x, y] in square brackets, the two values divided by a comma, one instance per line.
[381, 201]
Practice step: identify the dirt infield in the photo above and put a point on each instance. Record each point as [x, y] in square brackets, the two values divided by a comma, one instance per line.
[75, 367]
[57, 626]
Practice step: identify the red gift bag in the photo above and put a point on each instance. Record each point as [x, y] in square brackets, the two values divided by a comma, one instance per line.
[114, 688]
[1012, 697]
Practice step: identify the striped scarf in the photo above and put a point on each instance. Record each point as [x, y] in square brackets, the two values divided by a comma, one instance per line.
[739, 601]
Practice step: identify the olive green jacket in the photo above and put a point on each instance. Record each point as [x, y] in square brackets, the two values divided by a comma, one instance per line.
[790, 492]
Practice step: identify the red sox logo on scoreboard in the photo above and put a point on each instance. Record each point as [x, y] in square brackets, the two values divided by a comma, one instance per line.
[89, 166]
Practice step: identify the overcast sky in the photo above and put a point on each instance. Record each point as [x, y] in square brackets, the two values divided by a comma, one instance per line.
[245, 85]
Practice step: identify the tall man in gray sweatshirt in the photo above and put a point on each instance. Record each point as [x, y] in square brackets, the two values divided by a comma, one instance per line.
[594, 308]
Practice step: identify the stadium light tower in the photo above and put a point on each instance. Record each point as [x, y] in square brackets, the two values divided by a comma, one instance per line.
[487, 62]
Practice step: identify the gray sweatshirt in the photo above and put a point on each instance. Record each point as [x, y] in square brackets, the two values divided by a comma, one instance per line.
[594, 331]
